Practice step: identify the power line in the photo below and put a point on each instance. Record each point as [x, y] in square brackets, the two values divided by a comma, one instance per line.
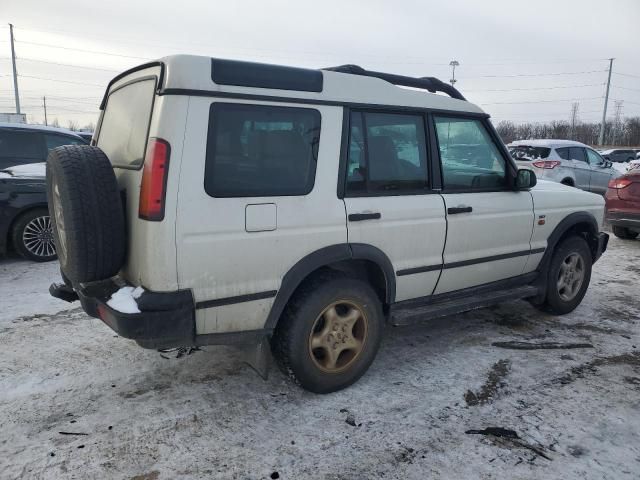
[64, 81]
[626, 88]
[539, 74]
[63, 64]
[82, 50]
[541, 101]
[536, 88]
[626, 74]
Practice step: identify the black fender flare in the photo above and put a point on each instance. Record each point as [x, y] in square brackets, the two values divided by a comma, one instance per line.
[323, 257]
[566, 224]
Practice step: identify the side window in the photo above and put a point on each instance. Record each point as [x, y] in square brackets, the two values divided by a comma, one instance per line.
[470, 158]
[52, 141]
[563, 153]
[387, 153]
[19, 147]
[594, 158]
[261, 151]
[577, 153]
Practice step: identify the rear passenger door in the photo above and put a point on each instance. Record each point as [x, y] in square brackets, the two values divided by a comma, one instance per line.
[389, 197]
[581, 167]
[489, 225]
[255, 198]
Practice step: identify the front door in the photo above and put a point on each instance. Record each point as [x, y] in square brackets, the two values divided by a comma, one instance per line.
[388, 198]
[601, 173]
[581, 167]
[489, 225]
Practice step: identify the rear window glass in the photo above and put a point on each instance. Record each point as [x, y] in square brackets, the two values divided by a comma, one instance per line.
[258, 151]
[563, 153]
[125, 123]
[18, 147]
[528, 153]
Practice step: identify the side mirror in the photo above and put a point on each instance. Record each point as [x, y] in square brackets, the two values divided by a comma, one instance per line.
[526, 179]
[607, 164]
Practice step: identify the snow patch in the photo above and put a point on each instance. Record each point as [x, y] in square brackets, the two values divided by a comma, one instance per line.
[124, 300]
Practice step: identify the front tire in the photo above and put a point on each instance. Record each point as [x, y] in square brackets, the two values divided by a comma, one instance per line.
[624, 233]
[32, 236]
[329, 333]
[568, 276]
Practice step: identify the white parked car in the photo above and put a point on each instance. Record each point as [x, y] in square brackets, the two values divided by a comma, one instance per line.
[301, 210]
[565, 161]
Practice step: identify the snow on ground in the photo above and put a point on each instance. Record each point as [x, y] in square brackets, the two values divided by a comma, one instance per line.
[24, 289]
[138, 414]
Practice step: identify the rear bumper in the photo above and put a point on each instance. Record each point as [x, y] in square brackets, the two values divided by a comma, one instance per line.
[624, 219]
[166, 319]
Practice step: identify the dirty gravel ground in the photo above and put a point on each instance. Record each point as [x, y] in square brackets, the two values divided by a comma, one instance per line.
[576, 412]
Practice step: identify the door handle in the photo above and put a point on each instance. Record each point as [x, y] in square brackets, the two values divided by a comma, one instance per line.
[455, 210]
[359, 217]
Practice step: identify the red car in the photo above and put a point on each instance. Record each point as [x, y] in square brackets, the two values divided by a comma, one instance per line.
[623, 205]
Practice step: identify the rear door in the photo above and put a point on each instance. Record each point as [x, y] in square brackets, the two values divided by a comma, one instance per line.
[257, 194]
[389, 200]
[489, 225]
[581, 167]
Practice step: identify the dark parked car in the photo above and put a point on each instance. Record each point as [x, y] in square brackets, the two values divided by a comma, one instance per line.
[619, 155]
[623, 205]
[25, 225]
[20, 143]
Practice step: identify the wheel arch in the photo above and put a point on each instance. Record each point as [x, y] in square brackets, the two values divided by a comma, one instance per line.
[568, 181]
[577, 223]
[361, 260]
[17, 215]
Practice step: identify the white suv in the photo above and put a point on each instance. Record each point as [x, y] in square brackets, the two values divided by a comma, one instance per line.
[302, 210]
[565, 161]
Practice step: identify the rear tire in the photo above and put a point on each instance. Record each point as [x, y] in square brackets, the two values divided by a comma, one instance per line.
[86, 213]
[32, 236]
[624, 233]
[567, 182]
[568, 276]
[329, 333]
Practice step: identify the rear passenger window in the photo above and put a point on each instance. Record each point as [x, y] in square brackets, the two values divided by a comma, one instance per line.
[470, 158]
[387, 153]
[563, 153]
[577, 153]
[261, 151]
[54, 141]
[19, 147]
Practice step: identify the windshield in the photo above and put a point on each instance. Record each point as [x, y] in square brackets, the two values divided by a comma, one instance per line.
[528, 153]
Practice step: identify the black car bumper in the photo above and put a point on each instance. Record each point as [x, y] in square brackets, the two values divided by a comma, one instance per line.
[624, 219]
[165, 320]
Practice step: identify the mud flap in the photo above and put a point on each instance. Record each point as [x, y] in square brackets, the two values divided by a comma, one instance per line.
[258, 356]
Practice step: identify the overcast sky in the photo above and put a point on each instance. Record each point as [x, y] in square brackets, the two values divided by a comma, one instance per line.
[519, 60]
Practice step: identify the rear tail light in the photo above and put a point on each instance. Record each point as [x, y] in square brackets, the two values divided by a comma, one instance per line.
[546, 163]
[154, 180]
[619, 183]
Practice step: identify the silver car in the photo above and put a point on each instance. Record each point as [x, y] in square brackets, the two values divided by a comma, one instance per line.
[564, 161]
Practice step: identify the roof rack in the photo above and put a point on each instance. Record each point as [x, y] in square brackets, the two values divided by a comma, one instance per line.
[431, 84]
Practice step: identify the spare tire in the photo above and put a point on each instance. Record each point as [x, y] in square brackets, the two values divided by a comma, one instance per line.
[86, 213]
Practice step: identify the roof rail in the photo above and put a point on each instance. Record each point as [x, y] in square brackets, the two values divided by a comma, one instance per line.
[431, 84]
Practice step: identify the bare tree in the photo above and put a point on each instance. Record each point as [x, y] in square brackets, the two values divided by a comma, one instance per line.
[72, 125]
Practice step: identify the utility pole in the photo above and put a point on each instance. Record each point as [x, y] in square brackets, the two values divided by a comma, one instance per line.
[15, 72]
[453, 64]
[606, 100]
[616, 121]
[44, 103]
[574, 118]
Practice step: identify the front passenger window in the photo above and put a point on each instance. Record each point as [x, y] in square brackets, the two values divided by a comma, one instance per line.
[470, 159]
